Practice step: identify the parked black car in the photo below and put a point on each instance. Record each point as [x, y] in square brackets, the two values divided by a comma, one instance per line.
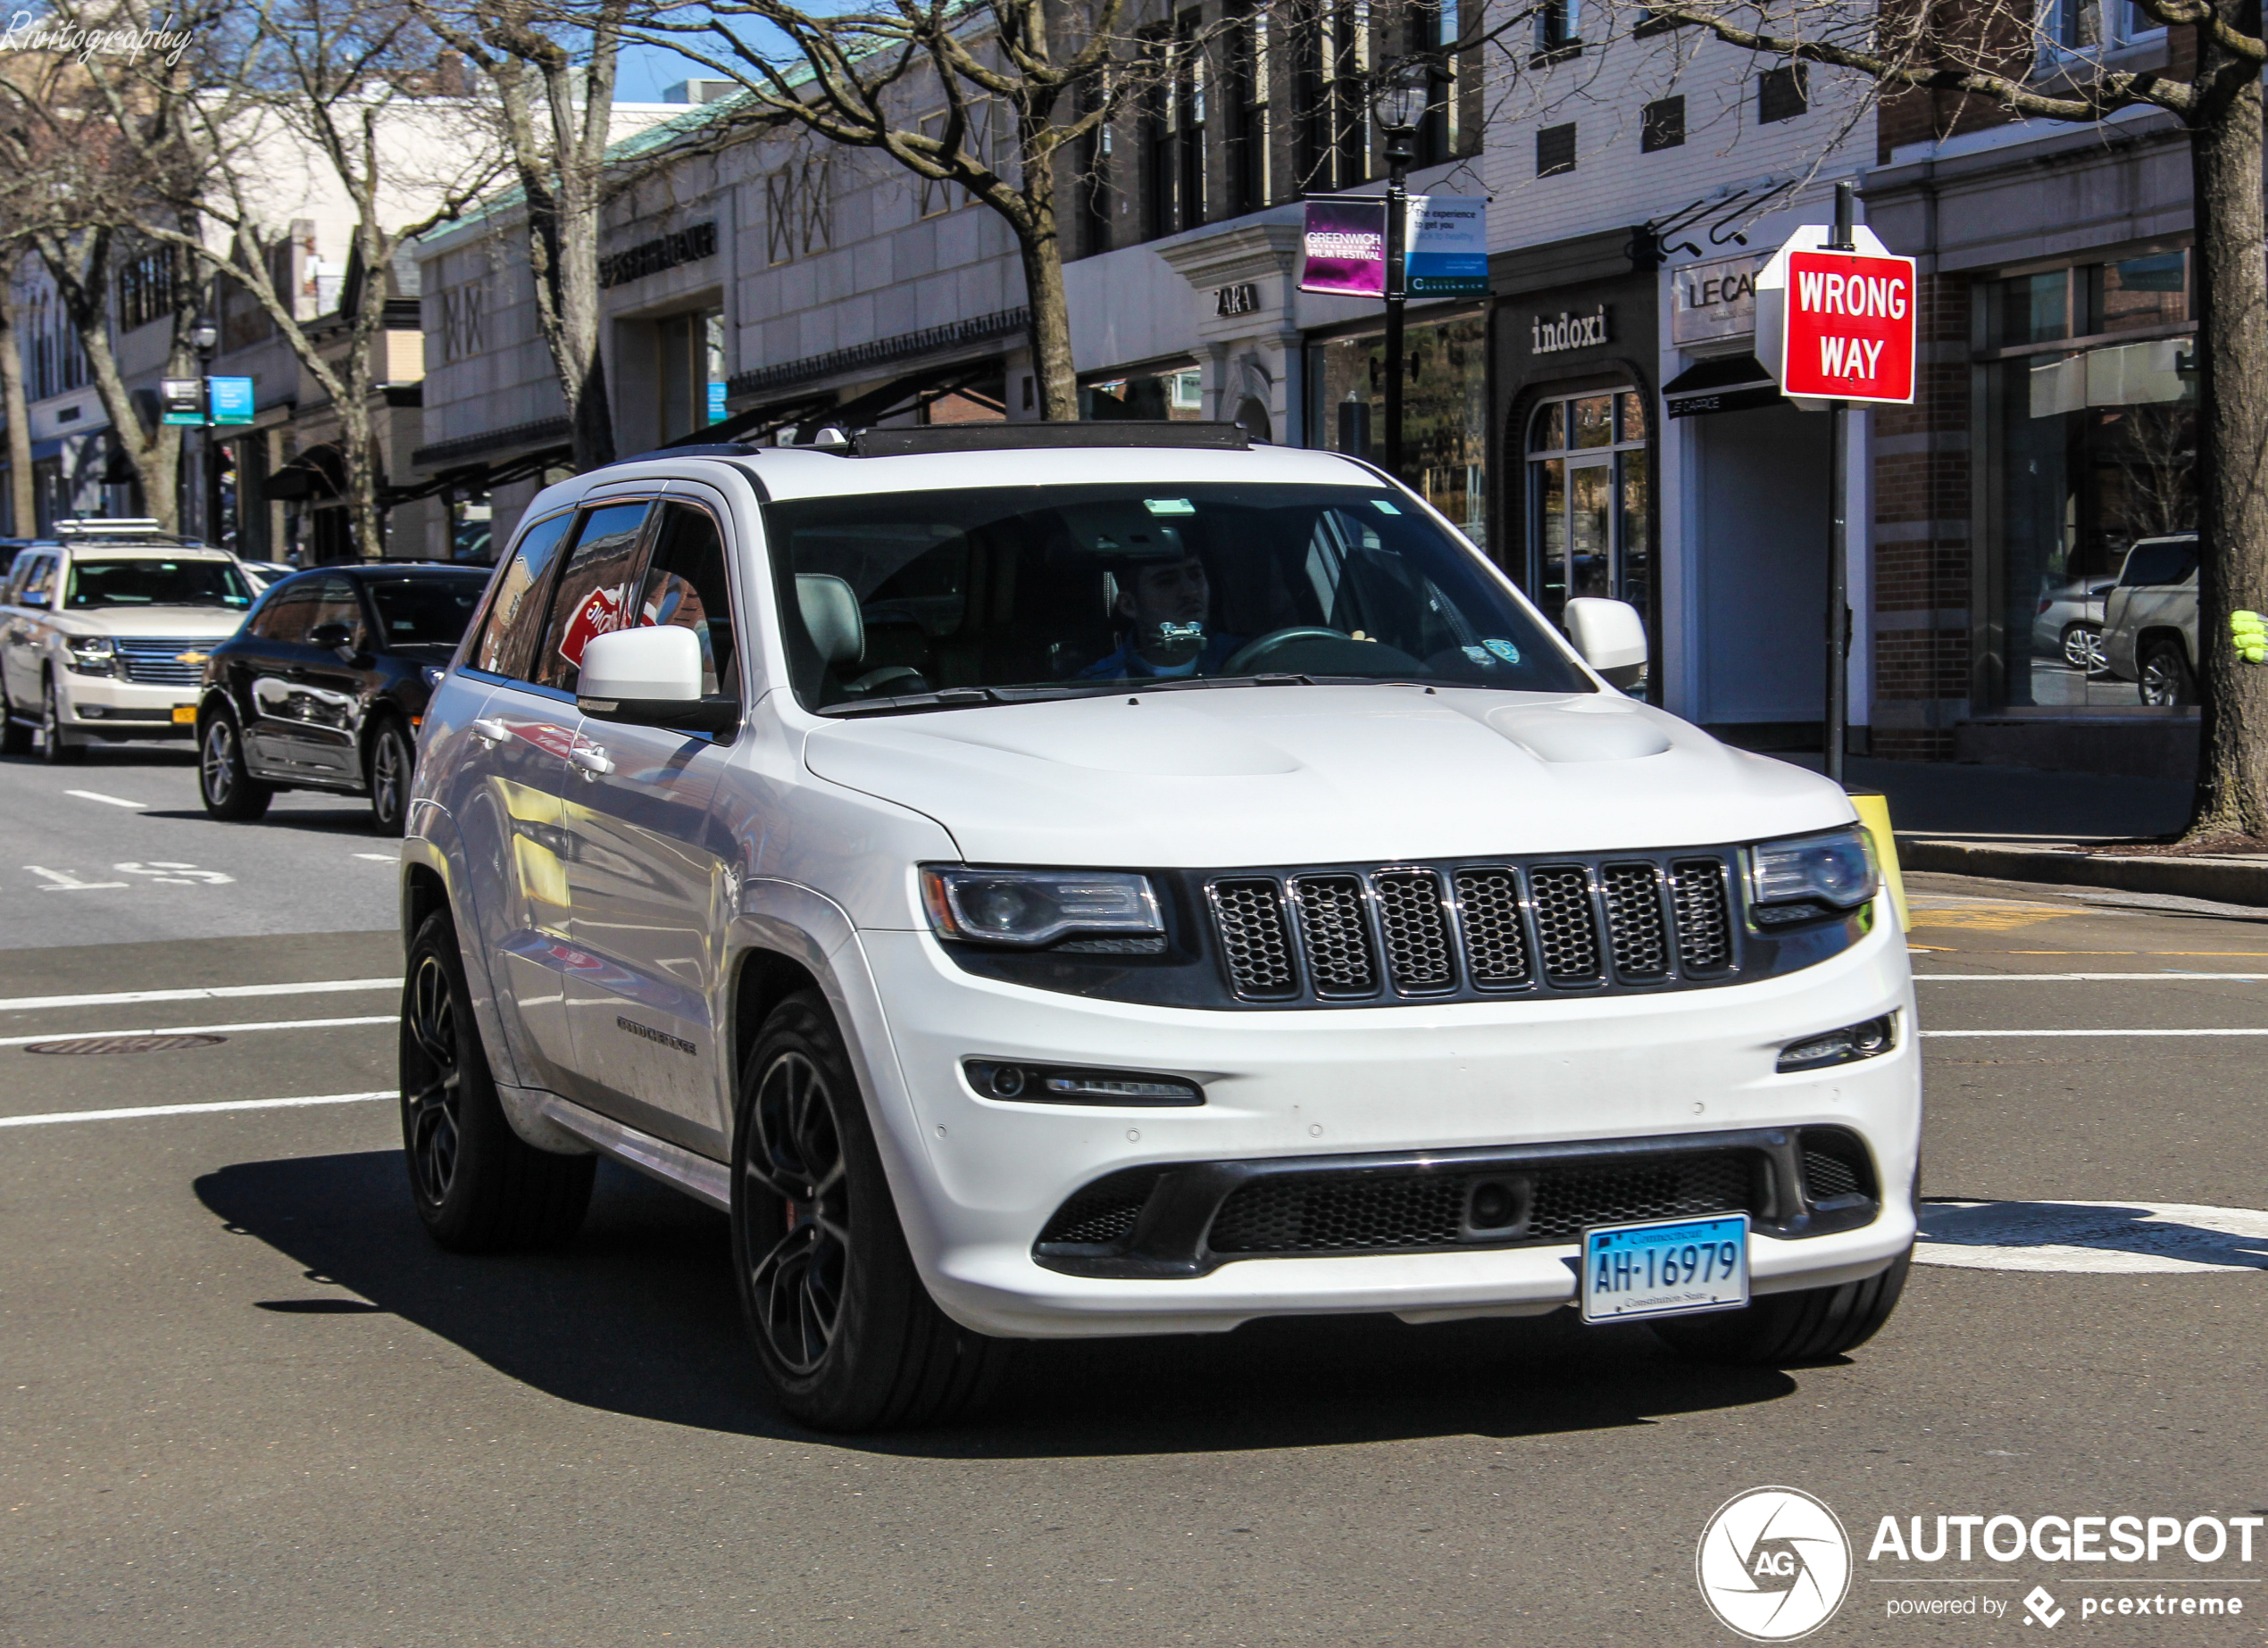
[325, 685]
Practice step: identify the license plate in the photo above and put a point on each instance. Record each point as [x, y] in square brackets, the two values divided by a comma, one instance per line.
[184, 713]
[1667, 1268]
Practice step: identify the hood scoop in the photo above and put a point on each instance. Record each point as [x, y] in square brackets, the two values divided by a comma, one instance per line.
[1566, 734]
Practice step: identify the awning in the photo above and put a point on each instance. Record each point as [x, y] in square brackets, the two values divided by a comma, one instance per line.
[1731, 383]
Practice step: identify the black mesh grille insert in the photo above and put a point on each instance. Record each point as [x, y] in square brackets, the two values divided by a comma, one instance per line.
[1635, 926]
[1335, 936]
[1105, 1211]
[1569, 1198]
[1496, 947]
[1564, 928]
[1341, 1212]
[1835, 1164]
[1705, 914]
[1416, 928]
[1251, 919]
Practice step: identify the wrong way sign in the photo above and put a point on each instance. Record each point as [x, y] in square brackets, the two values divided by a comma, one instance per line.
[1838, 325]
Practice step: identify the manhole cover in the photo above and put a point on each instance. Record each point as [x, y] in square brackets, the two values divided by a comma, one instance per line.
[127, 1044]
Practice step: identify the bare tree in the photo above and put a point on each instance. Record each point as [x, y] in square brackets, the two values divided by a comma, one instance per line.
[23, 505]
[2000, 53]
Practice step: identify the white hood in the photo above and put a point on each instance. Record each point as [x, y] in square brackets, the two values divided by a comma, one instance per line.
[189, 623]
[1291, 775]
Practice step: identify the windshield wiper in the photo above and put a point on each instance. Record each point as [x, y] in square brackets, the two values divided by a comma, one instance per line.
[945, 698]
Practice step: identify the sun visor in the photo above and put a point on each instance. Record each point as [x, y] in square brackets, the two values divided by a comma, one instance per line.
[1125, 531]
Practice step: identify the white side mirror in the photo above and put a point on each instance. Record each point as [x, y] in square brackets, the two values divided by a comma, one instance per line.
[1610, 635]
[651, 677]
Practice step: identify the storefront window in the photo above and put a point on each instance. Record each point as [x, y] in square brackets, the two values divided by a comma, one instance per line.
[2096, 454]
[1444, 410]
[1156, 398]
[1587, 490]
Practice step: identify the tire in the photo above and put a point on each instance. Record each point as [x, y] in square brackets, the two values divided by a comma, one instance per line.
[2083, 649]
[1810, 1326]
[847, 1336]
[231, 794]
[56, 747]
[393, 762]
[477, 1185]
[15, 735]
[2165, 675]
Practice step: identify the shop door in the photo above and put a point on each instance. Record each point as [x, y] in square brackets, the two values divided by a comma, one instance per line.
[1587, 476]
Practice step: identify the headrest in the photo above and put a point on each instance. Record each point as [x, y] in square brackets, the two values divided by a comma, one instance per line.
[831, 617]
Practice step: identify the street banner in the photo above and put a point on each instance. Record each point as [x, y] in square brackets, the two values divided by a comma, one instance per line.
[1345, 246]
[231, 399]
[1838, 326]
[1446, 248]
[182, 400]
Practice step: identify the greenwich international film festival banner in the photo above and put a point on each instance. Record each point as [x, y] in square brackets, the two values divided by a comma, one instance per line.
[1444, 246]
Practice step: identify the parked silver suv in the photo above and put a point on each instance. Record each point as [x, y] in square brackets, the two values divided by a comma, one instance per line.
[2150, 619]
[1105, 880]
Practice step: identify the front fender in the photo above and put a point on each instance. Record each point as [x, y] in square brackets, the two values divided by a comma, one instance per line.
[432, 846]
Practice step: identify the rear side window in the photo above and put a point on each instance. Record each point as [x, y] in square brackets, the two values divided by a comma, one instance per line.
[2164, 562]
[686, 585]
[594, 592]
[423, 612]
[516, 615]
[289, 614]
[335, 603]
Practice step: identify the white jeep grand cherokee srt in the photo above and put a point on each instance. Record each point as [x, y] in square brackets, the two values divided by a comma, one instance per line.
[1104, 880]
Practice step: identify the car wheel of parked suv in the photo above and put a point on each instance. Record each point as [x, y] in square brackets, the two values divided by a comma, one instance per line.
[846, 1336]
[54, 745]
[392, 762]
[2165, 675]
[1802, 1326]
[478, 1186]
[230, 793]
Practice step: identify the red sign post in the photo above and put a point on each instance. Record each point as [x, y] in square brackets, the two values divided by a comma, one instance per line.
[1848, 332]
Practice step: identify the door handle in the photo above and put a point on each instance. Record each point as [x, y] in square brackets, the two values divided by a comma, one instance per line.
[490, 731]
[590, 761]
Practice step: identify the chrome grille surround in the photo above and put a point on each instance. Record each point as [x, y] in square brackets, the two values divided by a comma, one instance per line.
[1343, 934]
[156, 662]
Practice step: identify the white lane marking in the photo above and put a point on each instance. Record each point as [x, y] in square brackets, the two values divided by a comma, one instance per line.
[213, 993]
[2258, 1032]
[381, 858]
[115, 801]
[188, 1110]
[2097, 1237]
[201, 1029]
[2170, 976]
[63, 881]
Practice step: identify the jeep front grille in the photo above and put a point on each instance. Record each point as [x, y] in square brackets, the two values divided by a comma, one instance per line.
[1409, 931]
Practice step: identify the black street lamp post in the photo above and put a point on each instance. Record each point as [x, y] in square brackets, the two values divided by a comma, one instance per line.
[204, 338]
[1405, 87]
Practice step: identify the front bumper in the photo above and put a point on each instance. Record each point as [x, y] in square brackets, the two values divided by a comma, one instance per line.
[107, 707]
[979, 1178]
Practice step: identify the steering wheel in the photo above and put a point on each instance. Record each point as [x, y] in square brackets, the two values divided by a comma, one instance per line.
[1252, 653]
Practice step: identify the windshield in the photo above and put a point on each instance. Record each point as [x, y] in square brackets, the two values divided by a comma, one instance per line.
[424, 611]
[148, 581]
[1051, 591]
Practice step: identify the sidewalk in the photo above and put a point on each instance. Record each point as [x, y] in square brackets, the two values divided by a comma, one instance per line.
[2016, 824]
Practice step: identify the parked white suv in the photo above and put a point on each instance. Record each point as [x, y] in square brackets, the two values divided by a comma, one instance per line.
[1100, 879]
[2150, 619]
[103, 636]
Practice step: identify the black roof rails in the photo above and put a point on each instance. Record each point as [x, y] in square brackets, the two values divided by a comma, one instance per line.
[943, 437]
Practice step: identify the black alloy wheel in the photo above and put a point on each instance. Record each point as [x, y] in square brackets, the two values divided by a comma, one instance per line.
[477, 1185]
[393, 762]
[230, 792]
[55, 747]
[846, 1336]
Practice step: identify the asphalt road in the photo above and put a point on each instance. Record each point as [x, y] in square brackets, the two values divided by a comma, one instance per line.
[244, 1401]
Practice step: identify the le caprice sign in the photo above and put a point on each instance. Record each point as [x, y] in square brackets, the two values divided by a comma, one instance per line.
[1835, 325]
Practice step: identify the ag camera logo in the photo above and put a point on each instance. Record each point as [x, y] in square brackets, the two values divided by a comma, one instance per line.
[1774, 1564]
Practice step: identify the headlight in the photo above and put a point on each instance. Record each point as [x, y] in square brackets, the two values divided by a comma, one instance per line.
[1812, 876]
[434, 678]
[1028, 908]
[90, 654]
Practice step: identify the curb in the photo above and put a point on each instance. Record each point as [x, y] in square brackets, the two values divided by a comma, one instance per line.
[2222, 880]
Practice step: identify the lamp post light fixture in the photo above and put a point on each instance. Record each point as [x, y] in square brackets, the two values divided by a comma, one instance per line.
[1405, 91]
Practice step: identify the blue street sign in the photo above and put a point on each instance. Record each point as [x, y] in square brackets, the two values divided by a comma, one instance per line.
[231, 399]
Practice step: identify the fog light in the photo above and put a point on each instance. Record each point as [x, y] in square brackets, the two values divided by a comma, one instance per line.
[1853, 1041]
[90, 711]
[1036, 1083]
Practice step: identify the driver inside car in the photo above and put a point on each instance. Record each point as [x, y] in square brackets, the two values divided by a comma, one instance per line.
[1163, 607]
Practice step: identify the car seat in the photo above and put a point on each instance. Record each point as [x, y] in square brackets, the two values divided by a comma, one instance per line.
[837, 630]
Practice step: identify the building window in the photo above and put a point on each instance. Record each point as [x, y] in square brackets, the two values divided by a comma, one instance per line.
[1662, 125]
[1170, 395]
[145, 289]
[799, 210]
[692, 375]
[1559, 29]
[1554, 150]
[1445, 409]
[2076, 26]
[1783, 93]
[1587, 526]
[1096, 199]
[1331, 145]
[1246, 93]
[2093, 471]
[1191, 111]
